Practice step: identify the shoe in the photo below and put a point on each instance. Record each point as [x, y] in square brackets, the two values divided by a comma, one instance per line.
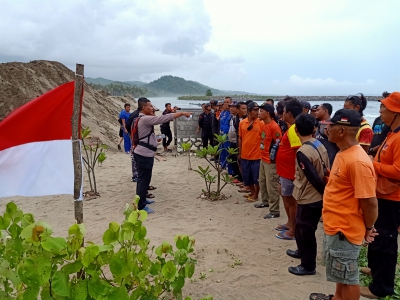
[148, 210]
[300, 271]
[148, 201]
[366, 271]
[261, 205]
[271, 216]
[365, 292]
[212, 159]
[293, 253]
[127, 152]
[119, 147]
[134, 180]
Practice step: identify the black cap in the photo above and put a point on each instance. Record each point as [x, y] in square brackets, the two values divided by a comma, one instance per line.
[268, 107]
[314, 107]
[252, 105]
[346, 117]
[214, 102]
[306, 104]
[206, 104]
[248, 102]
[233, 103]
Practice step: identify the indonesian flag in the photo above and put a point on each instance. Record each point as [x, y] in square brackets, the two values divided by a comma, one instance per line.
[36, 146]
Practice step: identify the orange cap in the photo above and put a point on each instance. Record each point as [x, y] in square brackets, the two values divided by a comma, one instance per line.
[392, 102]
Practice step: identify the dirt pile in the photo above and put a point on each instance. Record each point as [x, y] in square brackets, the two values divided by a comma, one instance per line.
[22, 82]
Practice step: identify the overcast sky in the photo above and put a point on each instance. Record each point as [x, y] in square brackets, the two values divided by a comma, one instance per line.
[295, 47]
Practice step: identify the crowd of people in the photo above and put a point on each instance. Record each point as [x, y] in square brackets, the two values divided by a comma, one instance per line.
[336, 169]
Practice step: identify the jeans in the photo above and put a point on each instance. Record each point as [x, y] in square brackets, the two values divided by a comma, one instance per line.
[145, 170]
[382, 253]
[168, 134]
[307, 219]
[127, 142]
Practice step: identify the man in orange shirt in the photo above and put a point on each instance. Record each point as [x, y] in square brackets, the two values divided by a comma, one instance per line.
[249, 150]
[270, 135]
[349, 206]
[286, 168]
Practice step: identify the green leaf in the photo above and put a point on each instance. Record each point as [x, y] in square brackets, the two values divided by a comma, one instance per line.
[118, 293]
[140, 234]
[169, 270]
[27, 219]
[105, 248]
[60, 284]
[119, 265]
[189, 268]
[143, 215]
[77, 229]
[71, 268]
[34, 272]
[97, 289]
[178, 283]
[110, 236]
[14, 230]
[79, 290]
[5, 222]
[155, 268]
[90, 254]
[181, 256]
[133, 217]
[11, 209]
[54, 245]
[31, 293]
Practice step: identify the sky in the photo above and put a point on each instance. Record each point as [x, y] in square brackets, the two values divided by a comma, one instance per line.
[269, 47]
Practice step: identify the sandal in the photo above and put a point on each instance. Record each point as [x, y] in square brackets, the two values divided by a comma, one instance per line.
[320, 296]
[282, 236]
[251, 200]
[244, 191]
[281, 227]
[246, 195]
[151, 188]
[150, 196]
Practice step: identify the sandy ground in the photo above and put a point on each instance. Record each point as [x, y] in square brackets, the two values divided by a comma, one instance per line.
[224, 231]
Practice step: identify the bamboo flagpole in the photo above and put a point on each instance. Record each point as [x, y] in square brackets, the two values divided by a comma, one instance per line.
[76, 145]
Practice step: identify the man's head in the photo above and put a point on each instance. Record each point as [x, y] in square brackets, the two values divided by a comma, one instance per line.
[227, 102]
[203, 105]
[305, 125]
[214, 104]
[390, 109]
[279, 108]
[266, 112]
[292, 109]
[207, 107]
[232, 108]
[252, 110]
[141, 102]
[306, 106]
[314, 110]
[356, 102]
[127, 107]
[344, 126]
[242, 109]
[168, 107]
[324, 112]
[270, 102]
[147, 108]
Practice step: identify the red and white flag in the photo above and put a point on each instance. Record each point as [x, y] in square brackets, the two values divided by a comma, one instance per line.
[36, 146]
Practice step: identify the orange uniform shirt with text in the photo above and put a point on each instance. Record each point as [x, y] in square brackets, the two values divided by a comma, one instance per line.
[271, 133]
[352, 178]
[286, 157]
[250, 139]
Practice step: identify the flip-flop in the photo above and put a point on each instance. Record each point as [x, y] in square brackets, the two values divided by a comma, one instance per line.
[150, 196]
[281, 227]
[320, 296]
[151, 188]
[281, 235]
[244, 191]
[251, 200]
[246, 195]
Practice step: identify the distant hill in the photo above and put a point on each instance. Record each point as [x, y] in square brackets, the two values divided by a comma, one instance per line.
[164, 86]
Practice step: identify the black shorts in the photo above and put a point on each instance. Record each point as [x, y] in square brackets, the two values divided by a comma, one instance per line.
[121, 133]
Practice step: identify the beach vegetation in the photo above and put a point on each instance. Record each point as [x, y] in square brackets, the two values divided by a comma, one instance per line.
[221, 179]
[186, 148]
[94, 152]
[34, 264]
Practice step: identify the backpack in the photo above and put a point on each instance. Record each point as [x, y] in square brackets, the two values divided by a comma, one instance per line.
[136, 140]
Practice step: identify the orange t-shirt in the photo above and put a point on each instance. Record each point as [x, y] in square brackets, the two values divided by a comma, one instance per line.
[286, 156]
[251, 139]
[390, 162]
[271, 132]
[352, 178]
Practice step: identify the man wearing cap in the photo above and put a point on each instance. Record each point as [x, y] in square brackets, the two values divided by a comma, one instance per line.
[249, 151]
[206, 125]
[271, 134]
[350, 206]
[382, 253]
[314, 109]
[306, 106]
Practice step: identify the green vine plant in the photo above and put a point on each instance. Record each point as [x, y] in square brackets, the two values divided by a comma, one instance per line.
[36, 265]
[94, 152]
[186, 148]
[220, 179]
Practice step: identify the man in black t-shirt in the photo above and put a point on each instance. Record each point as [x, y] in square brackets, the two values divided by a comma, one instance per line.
[165, 128]
[206, 121]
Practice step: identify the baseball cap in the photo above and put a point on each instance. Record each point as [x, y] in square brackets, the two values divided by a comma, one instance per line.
[233, 103]
[252, 105]
[306, 104]
[392, 102]
[269, 108]
[314, 107]
[207, 104]
[346, 117]
[248, 102]
[213, 102]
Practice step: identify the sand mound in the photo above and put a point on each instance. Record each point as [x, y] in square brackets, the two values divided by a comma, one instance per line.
[22, 82]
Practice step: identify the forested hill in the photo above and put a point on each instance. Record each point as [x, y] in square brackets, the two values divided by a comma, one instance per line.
[164, 86]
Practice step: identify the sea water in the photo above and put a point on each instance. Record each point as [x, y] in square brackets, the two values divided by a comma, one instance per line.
[370, 113]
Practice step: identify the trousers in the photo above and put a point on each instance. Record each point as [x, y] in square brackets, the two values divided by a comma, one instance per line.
[269, 186]
[145, 171]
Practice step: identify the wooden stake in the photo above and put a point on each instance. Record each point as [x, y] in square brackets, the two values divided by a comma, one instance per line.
[76, 146]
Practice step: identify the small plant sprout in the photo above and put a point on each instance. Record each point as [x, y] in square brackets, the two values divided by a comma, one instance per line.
[186, 148]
